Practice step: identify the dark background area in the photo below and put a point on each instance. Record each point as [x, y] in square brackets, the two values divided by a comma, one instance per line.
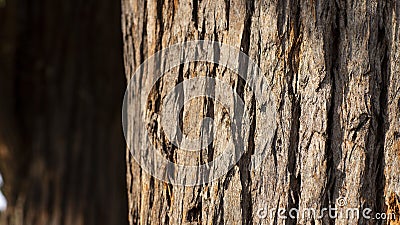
[62, 153]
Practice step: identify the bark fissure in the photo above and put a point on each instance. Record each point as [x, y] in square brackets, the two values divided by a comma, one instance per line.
[383, 41]
[332, 57]
[292, 85]
[195, 17]
[244, 172]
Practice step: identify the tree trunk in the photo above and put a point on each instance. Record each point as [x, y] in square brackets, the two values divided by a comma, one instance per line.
[61, 146]
[334, 69]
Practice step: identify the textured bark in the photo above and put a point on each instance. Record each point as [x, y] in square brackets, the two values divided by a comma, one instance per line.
[61, 80]
[334, 67]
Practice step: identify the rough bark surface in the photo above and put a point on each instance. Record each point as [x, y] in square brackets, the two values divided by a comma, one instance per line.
[335, 70]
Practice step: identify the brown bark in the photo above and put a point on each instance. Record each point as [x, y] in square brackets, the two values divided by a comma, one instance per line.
[61, 146]
[334, 67]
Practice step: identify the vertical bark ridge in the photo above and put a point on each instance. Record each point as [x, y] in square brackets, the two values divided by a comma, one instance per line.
[378, 60]
[392, 139]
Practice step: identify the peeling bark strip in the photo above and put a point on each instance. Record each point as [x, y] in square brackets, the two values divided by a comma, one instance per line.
[335, 71]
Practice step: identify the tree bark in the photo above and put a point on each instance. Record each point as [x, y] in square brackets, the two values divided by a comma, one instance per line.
[61, 146]
[334, 68]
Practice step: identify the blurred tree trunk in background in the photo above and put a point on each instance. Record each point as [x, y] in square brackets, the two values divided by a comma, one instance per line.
[61, 88]
[335, 70]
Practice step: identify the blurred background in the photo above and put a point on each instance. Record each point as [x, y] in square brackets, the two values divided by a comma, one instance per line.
[62, 152]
